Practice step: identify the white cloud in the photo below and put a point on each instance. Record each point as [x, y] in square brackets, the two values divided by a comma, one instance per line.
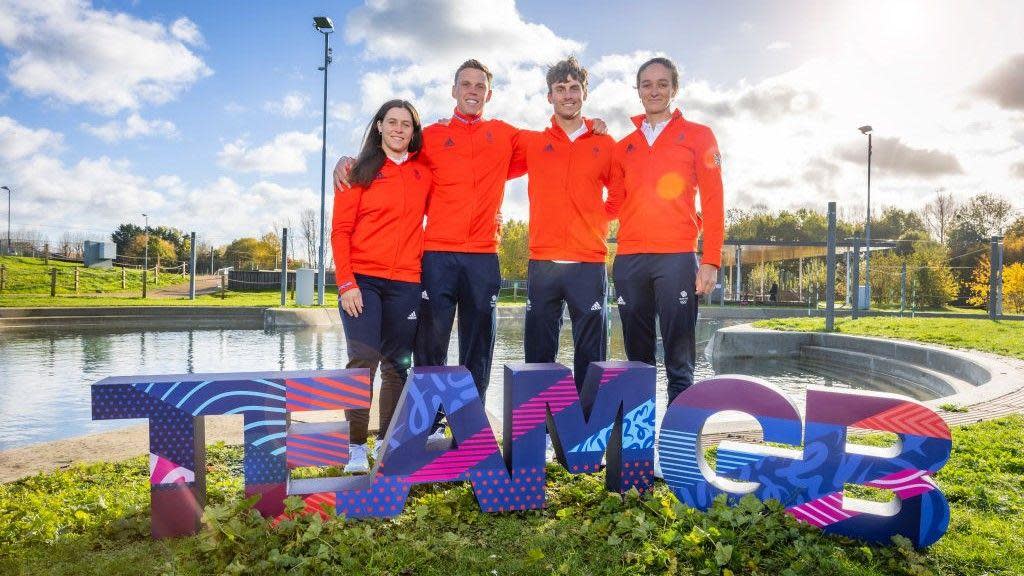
[133, 126]
[186, 30]
[293, 104]
[285, 154]
[255, 209]
[1005, 83]
[340, 111]
[493, 32]
[54, 195]
[429, 39]
[17, 141]
[783, 137]
[108, 61]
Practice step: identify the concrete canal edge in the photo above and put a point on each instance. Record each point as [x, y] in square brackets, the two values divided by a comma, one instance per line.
[257, 317]
[133, 317]
[987, 385]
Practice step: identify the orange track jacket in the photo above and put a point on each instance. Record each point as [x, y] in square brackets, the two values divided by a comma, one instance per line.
[653, 188]
[567, 210]
[470, 159]
[378, 229]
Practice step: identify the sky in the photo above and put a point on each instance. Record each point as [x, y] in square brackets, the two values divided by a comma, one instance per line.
[207, 115]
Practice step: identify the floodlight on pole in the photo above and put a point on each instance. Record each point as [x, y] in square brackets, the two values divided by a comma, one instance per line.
[867, 227]
[323, 25]
[9, 251]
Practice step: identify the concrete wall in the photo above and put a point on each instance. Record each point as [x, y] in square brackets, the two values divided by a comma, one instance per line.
[965, 378]
[154, 317]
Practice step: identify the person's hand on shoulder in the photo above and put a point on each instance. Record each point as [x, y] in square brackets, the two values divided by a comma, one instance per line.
[341, 171]
[600, 127]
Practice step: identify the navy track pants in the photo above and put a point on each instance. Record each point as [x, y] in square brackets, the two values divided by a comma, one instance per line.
[662, 286]
[583, 288]
[383, 334]
[465, 283]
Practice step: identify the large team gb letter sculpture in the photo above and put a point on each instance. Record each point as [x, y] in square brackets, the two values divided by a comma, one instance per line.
[611, 417]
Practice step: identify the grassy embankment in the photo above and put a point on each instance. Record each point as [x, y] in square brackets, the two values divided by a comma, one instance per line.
[28, 285]
[93, 519]
[31, 276]
[1000, 337]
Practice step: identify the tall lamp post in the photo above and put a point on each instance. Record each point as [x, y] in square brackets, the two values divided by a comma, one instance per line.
[323, 25]
[867, 225]
[8, 218]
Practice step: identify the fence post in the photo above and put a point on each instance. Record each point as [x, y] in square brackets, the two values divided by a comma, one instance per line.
[995, 280]
[855, 297]
[721, 286]
[145, 280]
[903, 289]
[124, 279]
[739, 275]
[46, 254]
[76, 280]
[3, 277]
[156, 270]
[830, 271]
[800, 278]
[223, 285]
[191, 268]
[53, 282]
[284, 266]
[515, 291]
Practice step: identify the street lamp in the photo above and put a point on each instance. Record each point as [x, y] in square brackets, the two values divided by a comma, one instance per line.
[867, 226]
[8, 218]
[323, 25]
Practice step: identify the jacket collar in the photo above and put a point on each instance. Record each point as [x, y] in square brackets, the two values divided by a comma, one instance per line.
[559, 132]
[465, 118]
[409, 158]
[639, 119]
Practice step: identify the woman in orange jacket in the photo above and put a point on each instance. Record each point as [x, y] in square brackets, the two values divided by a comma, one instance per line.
[377, 239]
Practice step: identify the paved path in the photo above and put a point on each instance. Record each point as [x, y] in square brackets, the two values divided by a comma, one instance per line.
[204, 285]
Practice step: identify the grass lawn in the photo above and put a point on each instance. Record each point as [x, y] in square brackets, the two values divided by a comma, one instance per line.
[94, 519]
[265, 299]
[25, 275]
[1004, 337]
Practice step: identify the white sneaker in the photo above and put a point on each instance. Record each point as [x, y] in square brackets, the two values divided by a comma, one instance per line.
[437, 440]
[357, 461]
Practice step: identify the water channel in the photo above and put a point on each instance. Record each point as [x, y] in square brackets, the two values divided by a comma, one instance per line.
[45, 374]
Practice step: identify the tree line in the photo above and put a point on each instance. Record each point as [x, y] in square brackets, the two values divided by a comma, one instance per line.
[945, 246]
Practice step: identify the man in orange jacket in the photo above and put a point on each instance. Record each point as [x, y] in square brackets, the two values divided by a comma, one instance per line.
[470, 157]
[657, 172]
[568, 167]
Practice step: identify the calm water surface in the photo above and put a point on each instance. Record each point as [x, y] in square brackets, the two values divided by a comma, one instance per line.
[45, 375]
